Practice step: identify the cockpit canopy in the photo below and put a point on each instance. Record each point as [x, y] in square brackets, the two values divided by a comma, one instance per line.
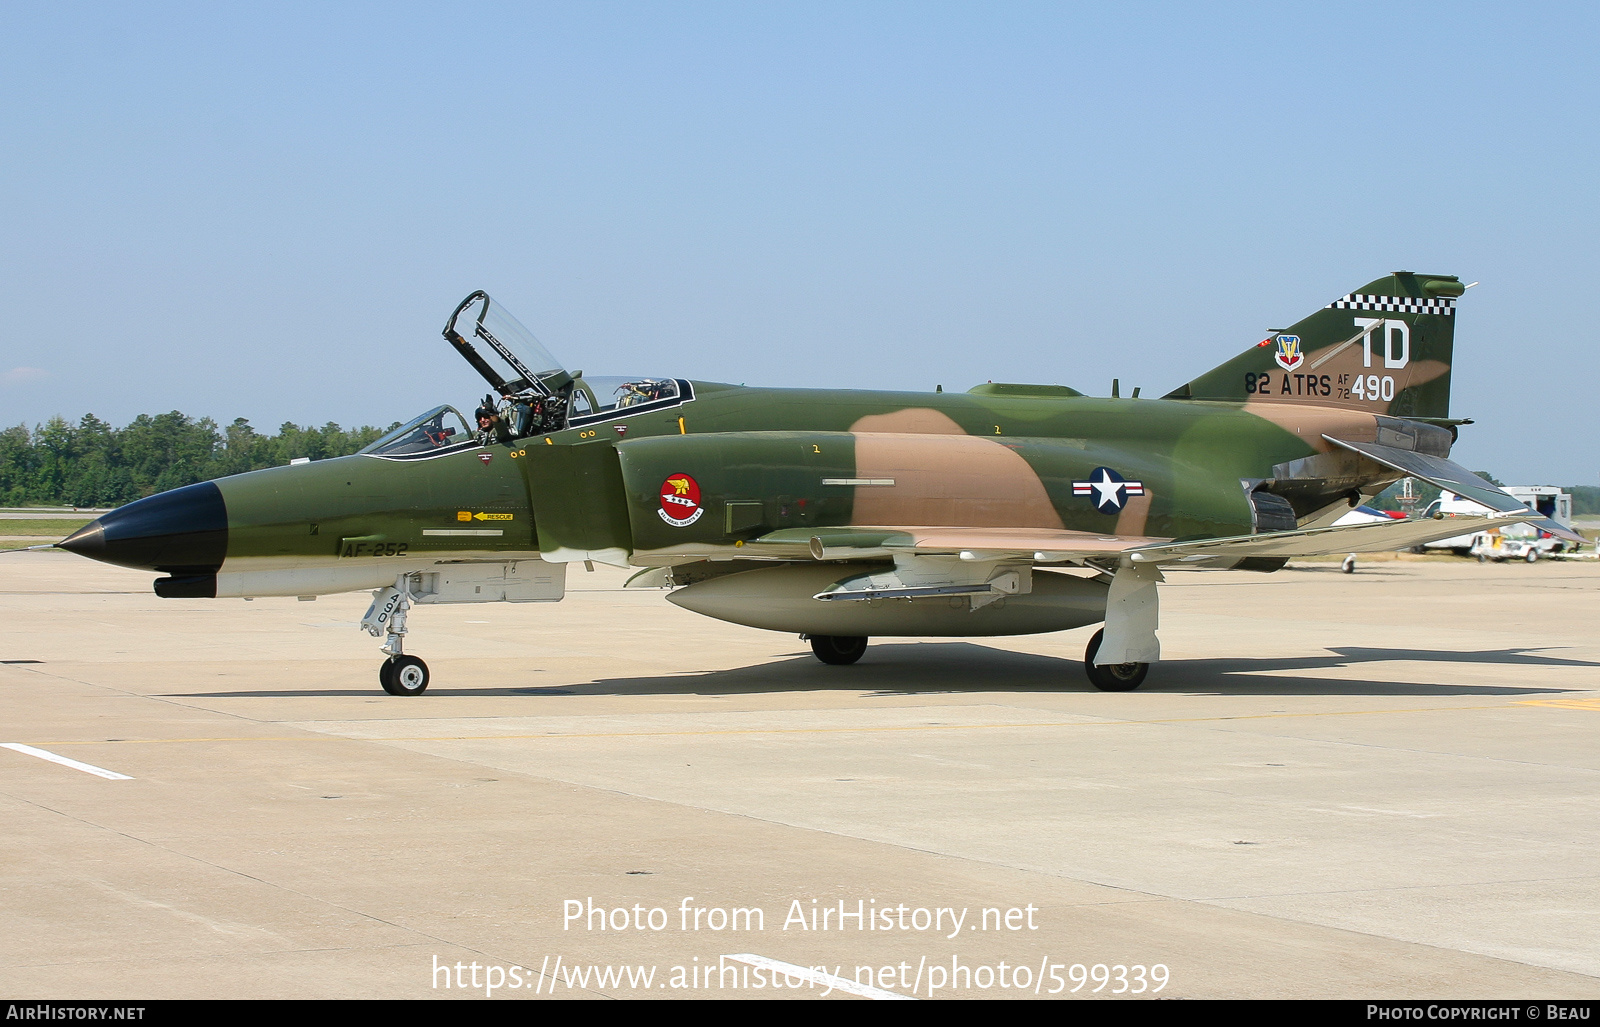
[606, 394]
[533, 393]
[525, 368]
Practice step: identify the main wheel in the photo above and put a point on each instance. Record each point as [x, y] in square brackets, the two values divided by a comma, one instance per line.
[1349, 565]
[838, 649]
[1533, 556]
[1113, 677]
[403, 675]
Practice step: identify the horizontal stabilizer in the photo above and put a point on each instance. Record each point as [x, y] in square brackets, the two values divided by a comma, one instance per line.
[1452, 477]
[1370, 537]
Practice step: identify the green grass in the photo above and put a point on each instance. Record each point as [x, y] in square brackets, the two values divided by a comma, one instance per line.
[52, 528]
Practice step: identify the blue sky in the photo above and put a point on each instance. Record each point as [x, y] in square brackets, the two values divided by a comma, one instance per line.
[269, 212]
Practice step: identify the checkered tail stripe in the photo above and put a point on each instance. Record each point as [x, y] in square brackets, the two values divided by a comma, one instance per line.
[1442, 305]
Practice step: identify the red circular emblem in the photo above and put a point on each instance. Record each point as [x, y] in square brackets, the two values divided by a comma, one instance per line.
[680, 500]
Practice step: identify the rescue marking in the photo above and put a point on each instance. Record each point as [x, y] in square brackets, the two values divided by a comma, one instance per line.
[87, 768]
[680, 501]
[1109, 491]
[486, 457]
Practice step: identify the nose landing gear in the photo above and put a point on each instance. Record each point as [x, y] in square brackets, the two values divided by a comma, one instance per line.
[400, 674]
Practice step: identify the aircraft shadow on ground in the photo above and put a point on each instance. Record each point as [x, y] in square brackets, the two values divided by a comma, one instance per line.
[924, 668]
[932, 667]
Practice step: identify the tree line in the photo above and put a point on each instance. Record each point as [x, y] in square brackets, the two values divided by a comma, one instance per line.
[92, 463]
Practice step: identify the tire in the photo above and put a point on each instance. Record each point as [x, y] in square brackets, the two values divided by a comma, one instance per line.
[1117, 677]
[838, 650]
[1349, 565]
[403, 675]
[1533, 556]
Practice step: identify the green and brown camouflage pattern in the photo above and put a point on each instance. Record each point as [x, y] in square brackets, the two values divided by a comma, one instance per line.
[766, 462]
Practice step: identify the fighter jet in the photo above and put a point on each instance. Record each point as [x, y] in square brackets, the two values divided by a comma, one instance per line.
[845, 515]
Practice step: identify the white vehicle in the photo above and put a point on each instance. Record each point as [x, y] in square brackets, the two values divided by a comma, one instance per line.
[1499, 546]
[1527, 542]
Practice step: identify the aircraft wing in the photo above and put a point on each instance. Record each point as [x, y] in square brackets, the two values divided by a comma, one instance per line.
[1452, 477]
[1045, 546]
[1036, 545]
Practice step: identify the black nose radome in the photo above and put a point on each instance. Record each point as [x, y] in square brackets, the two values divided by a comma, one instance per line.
[182, 532]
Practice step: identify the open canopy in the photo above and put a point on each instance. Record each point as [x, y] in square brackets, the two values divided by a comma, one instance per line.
[511, 359]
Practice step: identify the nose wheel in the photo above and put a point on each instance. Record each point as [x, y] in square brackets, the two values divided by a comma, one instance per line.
[400, 674]
[403, 675]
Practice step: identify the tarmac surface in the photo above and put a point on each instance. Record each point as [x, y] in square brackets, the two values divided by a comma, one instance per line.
[1380, 785]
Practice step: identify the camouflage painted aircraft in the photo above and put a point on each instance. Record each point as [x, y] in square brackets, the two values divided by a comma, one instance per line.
[842, 515]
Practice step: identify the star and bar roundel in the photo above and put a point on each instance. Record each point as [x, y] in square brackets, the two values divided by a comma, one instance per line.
[1108, 490]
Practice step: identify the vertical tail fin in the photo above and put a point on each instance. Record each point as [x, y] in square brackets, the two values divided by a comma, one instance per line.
[1385, 348]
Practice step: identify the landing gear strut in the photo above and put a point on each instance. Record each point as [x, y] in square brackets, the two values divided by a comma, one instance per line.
[399, 674]
[838, 649]
[1112, 677]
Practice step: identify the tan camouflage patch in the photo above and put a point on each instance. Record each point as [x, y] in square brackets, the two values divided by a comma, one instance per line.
[1310, 423]
[911, 421]
[944, 480]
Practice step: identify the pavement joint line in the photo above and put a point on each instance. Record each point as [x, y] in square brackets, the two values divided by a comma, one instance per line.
[1393, 938]
[1105, 722]
[205, 956]
[1396, 888]
[362, 914]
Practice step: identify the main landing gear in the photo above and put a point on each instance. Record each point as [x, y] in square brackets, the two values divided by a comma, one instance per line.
[837, 649]
[1112, 677]
[400, 674]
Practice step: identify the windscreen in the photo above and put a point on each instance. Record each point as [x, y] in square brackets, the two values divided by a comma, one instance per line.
[604, 394]
[436, 429]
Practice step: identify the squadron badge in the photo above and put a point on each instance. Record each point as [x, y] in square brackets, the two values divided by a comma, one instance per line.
[1108, 490]
[1288, 354]
[680, 501]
